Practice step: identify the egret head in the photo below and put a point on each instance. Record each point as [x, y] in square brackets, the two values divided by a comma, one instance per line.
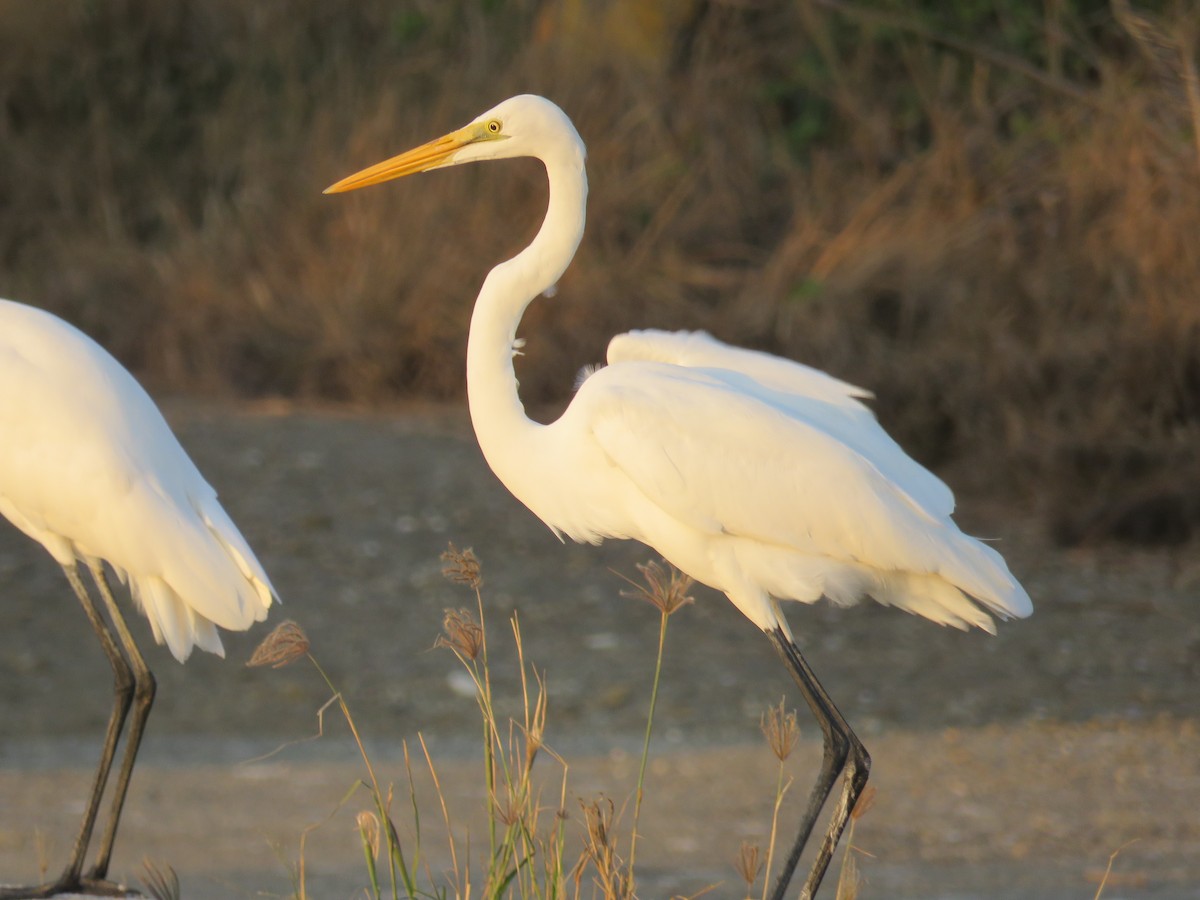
[527, 125]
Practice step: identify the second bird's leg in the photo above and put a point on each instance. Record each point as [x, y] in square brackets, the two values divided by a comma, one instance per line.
[842, 750]
[143, 694]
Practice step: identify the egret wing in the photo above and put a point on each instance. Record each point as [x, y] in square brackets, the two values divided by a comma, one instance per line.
[809, 393]
[727, 456]
[699, 349]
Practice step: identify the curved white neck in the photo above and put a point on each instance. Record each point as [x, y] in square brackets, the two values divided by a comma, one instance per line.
[501, 426]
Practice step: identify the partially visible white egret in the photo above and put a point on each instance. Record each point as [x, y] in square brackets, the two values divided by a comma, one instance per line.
[90, 470]
[760, 477]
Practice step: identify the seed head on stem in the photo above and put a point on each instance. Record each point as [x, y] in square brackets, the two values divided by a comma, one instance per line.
[369, 829]
[666, 588]
[748, 864]
[462, 567]
[286, 644]
[781, 730]
[461, 633]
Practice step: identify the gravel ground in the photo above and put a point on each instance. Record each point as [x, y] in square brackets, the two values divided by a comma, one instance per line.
[1010, 766]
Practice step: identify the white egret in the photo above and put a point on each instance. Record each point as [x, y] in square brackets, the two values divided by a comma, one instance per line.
[758, 476]
[91, 471]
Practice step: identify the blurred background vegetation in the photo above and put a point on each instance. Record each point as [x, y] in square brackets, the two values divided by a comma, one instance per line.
[987, 212]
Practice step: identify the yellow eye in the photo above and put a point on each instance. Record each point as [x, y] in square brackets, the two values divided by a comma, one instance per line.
[494, 126]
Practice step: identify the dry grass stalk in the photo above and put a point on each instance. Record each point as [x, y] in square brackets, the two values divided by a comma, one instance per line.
[510, 808]
[462, 880]
[865, 801]
[849, 878]
[1112, 857]
[781, 790]
[160, 882]
[41, 851]
[368, 832]
[520, 850]
[612, 878]
[665, 589]
[515, 798]
[534, 727]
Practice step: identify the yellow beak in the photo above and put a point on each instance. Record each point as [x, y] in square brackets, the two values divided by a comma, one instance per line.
[419, 159]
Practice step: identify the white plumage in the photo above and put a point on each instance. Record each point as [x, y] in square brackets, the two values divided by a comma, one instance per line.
[777, 490]
[90, 470]
[758, 476]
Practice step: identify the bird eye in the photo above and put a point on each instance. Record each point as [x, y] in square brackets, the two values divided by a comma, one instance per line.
[493, 126]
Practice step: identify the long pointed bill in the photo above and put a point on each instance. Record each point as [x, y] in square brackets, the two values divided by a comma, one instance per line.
[419, 159]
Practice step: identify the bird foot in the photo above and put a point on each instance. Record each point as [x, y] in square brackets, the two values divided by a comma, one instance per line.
[91, 887]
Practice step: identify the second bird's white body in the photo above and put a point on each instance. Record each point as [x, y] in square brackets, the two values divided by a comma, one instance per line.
[758, 476]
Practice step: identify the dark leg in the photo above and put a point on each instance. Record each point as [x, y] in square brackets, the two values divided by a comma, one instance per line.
[843, 750]
[122, 698]
[143, 694]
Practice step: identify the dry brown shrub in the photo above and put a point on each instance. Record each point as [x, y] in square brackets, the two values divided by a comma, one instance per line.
[998, 240]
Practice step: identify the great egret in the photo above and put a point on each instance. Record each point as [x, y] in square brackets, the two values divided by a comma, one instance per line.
[90, 470]
[758, 476]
